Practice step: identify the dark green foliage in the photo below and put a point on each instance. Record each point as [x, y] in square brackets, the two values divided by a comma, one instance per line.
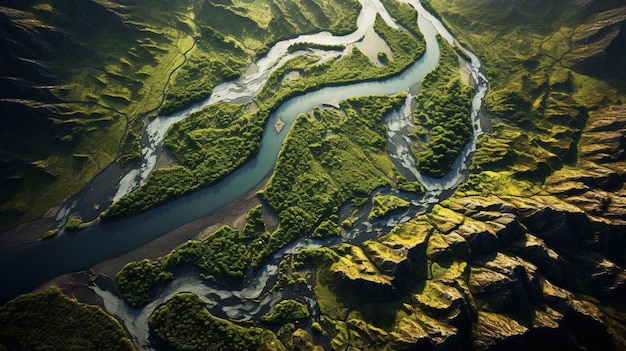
[137, 278]
[326, 229]
[49, 321]
[322, 256]
[327, 161]
[227, 253]
[443, 109]
[290, 276]
[221, 254]
[163, 184]
[185, 324]
[404, 14]
[255, 226]
[208, 145]
[306, 46]
[382, 57]
[287, 310]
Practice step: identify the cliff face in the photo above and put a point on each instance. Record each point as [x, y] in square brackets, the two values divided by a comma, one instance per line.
[530, 252]
[598, 45]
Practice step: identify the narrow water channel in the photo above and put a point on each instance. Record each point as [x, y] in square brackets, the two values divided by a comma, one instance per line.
[253, 298]
[28, 266]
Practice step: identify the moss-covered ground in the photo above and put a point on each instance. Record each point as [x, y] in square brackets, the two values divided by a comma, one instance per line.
[49, 320]
[185, 324]
[212, 143]
[494, 265]
[91, 91]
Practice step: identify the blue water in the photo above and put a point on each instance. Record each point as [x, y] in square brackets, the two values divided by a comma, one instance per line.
[26, 267]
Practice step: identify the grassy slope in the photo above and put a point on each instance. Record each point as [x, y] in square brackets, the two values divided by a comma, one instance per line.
[212, 143]
[185, 324]
[68, 122]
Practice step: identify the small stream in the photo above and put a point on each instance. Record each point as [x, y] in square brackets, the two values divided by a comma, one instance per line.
[253, 298]
[30, 265]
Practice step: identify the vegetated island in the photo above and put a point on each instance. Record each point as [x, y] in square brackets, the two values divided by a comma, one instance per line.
[488, 268]
[77, 96]
[529, 253]
[214, 142]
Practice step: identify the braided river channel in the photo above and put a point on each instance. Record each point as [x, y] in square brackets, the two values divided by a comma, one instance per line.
[28, 266]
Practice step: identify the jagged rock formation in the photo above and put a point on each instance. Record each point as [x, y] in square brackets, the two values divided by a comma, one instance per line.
[507, 265]
[501, 272]
[599, 44]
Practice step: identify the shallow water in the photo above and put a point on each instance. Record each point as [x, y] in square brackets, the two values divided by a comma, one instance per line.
[253, 300]
[30, 265]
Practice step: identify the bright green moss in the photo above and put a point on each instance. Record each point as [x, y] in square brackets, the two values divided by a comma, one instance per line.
[385, 204]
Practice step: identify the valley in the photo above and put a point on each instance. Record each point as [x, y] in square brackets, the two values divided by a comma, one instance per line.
[448, 175]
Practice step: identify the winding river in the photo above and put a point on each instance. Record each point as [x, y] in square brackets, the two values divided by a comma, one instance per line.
[30, 265]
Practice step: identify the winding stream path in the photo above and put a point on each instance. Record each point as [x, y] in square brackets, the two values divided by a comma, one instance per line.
[30, 265]
[253, 298]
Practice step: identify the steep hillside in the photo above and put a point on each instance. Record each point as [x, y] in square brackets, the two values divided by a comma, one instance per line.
[79, 78]
[76, 73]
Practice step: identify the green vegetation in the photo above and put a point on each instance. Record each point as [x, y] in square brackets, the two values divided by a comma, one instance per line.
[327, 228]
[225, 254]
[306, 46]
[137, 278]
[50, 234]
[208, 145]
[443, 116]
[49, 321]
[73, 224]
[327, 159]
[385, 204]
[287, 310]
[184, 323]
[212, 143]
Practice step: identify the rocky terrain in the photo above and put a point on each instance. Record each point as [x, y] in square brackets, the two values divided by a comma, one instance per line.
[529, 253]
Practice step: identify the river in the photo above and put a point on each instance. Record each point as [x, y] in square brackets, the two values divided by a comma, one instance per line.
[253, 298]
[30, 265]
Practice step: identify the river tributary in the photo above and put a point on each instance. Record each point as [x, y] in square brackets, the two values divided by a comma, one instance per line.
[30, 265]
